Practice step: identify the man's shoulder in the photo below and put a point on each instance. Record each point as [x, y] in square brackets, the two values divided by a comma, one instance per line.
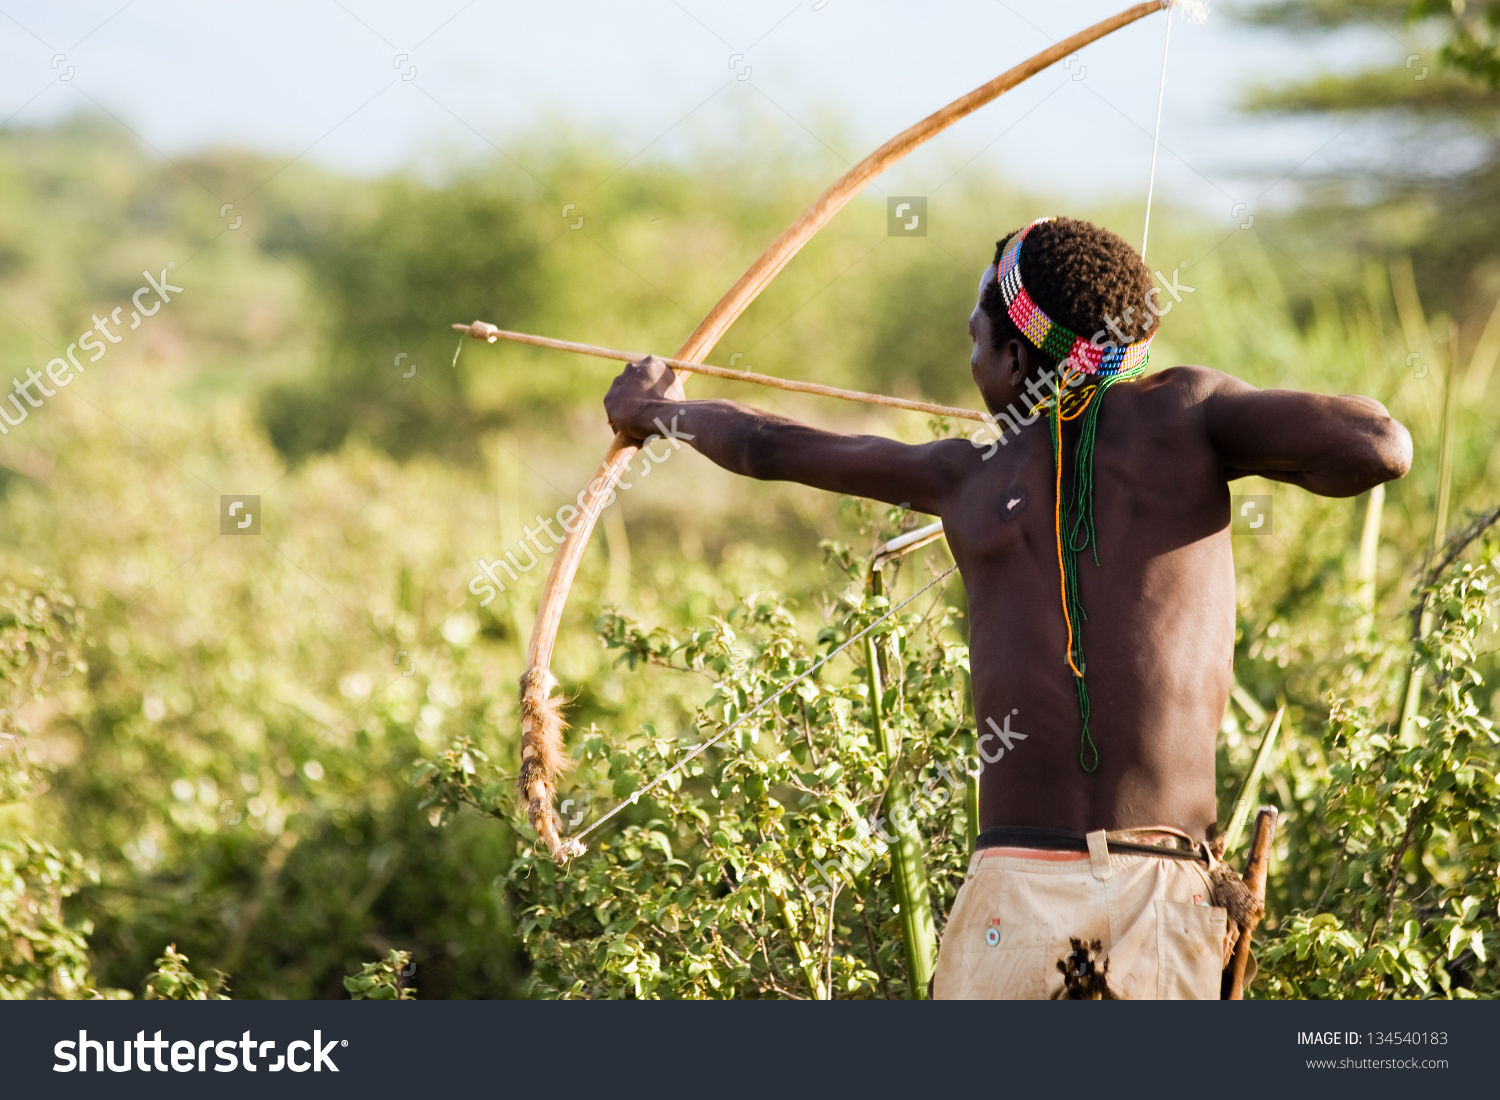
[1183, 387]
[953, 462]
[955, 455]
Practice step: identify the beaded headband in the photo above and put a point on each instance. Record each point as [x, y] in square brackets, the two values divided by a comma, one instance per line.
[1053, 338]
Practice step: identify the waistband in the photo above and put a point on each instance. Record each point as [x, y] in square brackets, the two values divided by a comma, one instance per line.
[1164, 841]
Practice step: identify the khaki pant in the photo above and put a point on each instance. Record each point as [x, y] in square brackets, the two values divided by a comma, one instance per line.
[1013, 918]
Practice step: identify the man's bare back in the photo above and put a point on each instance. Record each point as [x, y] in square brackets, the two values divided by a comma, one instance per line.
[1159, 635]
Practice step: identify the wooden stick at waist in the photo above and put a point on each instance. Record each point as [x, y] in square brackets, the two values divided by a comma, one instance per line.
[483, 330]
[1255, 878]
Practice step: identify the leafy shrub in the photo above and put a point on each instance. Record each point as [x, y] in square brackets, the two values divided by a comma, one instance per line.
[383, 980]
[762, 867]
[173, 981]
[1413, 891]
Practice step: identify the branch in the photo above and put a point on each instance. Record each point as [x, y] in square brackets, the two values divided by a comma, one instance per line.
[1457, 543]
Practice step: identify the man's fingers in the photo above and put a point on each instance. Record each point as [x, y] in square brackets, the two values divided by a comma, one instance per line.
[658, 376]
[638, 386]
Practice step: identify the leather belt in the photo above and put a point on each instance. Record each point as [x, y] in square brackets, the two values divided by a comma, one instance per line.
[1062, 840]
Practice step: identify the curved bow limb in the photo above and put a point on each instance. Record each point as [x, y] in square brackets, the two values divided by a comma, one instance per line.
[542, 725]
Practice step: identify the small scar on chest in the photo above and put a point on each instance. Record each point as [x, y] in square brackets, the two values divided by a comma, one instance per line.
[1012, 503]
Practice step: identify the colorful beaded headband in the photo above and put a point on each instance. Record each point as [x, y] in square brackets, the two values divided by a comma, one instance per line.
[1053, 338]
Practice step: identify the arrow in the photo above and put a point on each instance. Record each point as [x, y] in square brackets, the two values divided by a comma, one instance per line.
[483, 330]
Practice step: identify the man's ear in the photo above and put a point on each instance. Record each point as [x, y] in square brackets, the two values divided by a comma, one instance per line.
[1020, 362]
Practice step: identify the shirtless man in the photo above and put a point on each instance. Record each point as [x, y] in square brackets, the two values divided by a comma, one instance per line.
[1066, 848]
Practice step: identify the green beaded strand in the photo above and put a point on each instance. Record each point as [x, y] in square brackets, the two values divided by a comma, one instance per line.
[1082, 536]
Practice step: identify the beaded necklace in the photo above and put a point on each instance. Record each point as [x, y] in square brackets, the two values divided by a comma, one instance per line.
[1108, 364]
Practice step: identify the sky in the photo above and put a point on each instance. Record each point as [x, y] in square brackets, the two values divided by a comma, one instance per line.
[371, 87]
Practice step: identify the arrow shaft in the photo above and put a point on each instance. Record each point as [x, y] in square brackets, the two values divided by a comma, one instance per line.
[479, 330]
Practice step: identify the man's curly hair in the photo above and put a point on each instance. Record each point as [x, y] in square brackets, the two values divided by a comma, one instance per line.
[1081, 276]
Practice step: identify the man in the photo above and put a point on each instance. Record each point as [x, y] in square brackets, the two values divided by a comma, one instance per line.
[1096, 825]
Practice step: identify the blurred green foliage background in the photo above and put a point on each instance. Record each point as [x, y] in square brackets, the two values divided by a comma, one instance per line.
[220, 757]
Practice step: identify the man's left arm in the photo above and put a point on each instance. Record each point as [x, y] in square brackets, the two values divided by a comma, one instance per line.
[1333, 446]
[647, 399]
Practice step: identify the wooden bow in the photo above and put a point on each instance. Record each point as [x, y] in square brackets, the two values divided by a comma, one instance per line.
[542, 725]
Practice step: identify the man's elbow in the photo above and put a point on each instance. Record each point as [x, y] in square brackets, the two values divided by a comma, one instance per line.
[1391, 450]
[1379, 450]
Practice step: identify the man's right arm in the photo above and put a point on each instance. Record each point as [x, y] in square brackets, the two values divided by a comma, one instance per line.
[1332, 446]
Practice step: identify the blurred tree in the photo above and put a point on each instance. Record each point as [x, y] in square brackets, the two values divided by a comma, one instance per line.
[1436, 187]
[918, 340]
[44, 951]
[392, 277]
[1474, 43]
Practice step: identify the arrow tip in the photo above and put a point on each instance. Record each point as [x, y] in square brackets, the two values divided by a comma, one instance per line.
[480, 330]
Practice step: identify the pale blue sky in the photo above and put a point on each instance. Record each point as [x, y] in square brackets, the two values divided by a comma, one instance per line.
[323, 80]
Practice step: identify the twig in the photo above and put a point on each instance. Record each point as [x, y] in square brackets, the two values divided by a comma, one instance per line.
[1332, 875]
[1390, 890]
[773, 971]
[664, 662]
[828, 940]
[864, 915]
[1459, 542]
[270, 872]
